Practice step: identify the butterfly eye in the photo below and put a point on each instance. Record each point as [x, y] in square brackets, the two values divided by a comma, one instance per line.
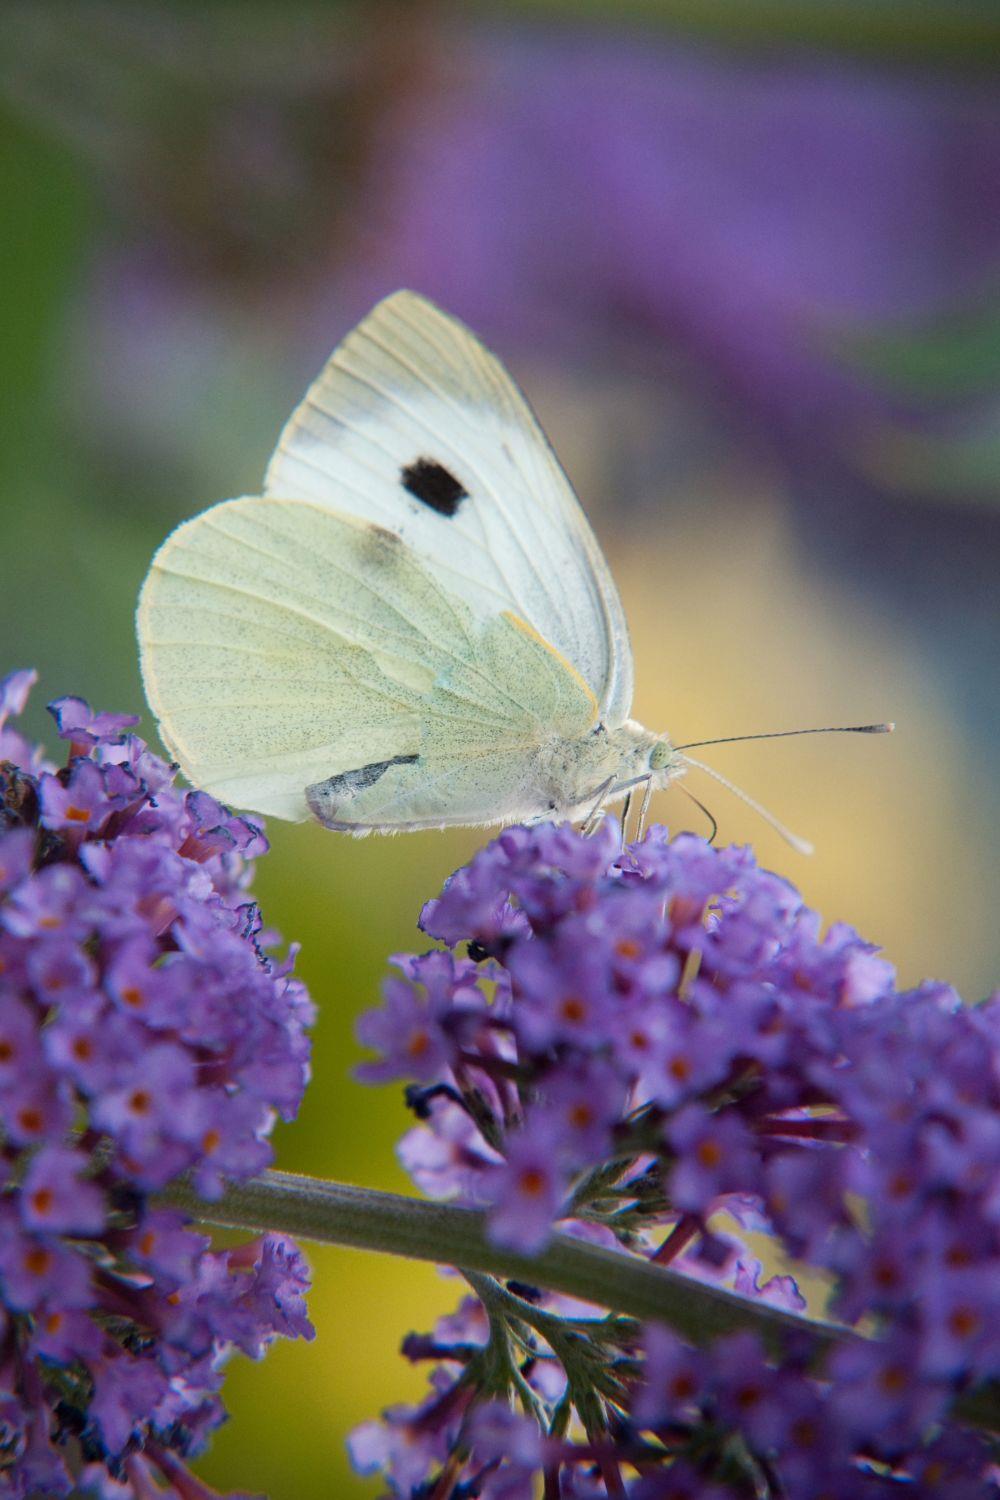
[661, 755]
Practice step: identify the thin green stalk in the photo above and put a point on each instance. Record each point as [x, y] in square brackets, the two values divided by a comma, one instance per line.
[335, 1213]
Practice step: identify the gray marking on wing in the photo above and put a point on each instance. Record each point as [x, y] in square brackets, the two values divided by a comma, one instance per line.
[324, 797]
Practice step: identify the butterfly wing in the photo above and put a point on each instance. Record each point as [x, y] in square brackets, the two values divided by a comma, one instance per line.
[299, 660]
[414, 425]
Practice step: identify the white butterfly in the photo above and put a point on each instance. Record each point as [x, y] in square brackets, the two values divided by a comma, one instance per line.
[414, 625]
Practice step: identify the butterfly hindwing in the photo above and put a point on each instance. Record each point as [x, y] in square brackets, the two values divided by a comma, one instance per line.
[300, 660]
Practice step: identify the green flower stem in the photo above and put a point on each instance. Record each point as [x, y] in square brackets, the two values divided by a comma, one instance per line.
[336, 1213]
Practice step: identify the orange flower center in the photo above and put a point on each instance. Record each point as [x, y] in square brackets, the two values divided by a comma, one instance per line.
[886, 1276]
[963, 1322]
[37, 1260]
[532, 1183]
[42, 1200]
[893, 1379]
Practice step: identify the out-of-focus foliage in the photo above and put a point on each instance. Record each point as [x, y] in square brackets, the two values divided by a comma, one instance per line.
[965, 33]
[952, 357]
[951, 367]
[752, 294]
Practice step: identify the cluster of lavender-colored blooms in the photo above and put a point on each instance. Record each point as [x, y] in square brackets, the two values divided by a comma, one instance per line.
[656, 1049]
[144, 1034]
[651, 1048]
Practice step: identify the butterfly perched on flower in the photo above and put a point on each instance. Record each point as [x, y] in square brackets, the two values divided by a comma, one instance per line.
[414, 625]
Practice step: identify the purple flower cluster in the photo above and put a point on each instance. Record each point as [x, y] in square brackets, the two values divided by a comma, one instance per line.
[652, 1045]
[144, 1034]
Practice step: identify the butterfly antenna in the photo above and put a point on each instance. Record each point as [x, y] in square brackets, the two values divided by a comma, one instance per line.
[802, 846]
[784, 734]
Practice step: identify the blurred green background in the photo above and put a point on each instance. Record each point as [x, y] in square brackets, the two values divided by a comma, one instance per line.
[744, 258]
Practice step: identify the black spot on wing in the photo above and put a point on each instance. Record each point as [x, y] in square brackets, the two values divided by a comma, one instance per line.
[434, 485]
[350, 783]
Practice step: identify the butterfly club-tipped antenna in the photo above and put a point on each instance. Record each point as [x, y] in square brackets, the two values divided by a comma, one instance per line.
[802, 846]
[786, 734]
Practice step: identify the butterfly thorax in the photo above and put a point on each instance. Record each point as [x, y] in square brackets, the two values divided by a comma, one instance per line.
[602, 767]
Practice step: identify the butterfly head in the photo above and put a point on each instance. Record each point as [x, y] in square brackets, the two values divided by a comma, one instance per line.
[644, 758]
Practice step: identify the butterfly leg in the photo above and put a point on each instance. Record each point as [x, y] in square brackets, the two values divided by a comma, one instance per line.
[704, 809]
[593, 818]
[644, 807]
[625, 813]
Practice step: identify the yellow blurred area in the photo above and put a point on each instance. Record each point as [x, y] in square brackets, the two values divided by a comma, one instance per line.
[735, 633]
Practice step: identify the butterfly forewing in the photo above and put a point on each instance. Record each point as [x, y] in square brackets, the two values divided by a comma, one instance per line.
[414, 425]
